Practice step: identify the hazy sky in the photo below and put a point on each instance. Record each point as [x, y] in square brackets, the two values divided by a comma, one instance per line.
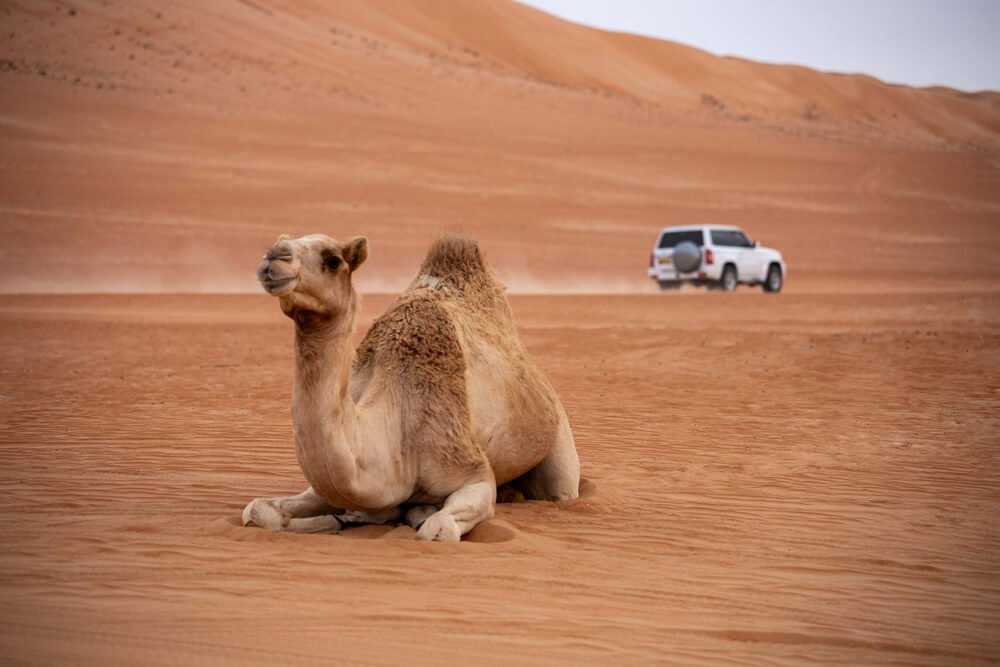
[918, 42]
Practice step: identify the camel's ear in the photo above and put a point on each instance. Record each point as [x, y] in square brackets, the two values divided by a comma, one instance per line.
[356, 252]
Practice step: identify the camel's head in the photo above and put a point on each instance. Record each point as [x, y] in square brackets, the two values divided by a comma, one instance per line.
[312, 274]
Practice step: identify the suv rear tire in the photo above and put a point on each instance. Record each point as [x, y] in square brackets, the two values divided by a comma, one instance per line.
[728, 281]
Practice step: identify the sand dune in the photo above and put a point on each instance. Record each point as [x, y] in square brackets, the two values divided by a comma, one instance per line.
[192, 135]
[802, 479]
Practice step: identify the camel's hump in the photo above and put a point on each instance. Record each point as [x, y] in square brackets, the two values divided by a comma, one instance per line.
[454, 256]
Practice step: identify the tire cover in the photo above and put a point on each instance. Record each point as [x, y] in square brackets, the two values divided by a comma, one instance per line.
[687, 257]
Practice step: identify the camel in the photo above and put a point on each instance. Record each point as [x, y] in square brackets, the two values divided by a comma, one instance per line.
[438, 406]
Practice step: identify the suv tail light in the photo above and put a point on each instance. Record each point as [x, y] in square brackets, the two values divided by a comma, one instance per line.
[709, 256]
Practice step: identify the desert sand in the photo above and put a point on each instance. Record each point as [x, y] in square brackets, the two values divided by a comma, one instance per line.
[802, 478]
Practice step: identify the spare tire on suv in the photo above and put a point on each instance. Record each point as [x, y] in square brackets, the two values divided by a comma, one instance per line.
[687, 257]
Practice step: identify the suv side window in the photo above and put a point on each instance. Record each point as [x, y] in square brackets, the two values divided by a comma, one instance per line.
[732, 239]
[670, 239]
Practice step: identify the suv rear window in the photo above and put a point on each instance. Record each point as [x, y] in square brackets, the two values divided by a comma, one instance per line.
[670, 239]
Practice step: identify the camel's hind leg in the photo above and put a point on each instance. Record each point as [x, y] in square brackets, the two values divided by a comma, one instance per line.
[461, 511]
[306, 512]
[557, 477]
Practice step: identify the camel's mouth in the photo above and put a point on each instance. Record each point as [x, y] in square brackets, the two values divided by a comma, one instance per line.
[276, 286]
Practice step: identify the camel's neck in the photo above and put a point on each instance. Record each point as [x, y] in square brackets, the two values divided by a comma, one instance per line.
[323, 357]
[322, 410]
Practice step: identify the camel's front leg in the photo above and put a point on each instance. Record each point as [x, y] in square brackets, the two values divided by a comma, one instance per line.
[460, 513]
[307, 512]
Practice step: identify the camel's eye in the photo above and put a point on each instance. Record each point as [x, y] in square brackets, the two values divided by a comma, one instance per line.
[330, 259]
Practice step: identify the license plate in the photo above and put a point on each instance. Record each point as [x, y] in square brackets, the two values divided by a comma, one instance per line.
[663, 261]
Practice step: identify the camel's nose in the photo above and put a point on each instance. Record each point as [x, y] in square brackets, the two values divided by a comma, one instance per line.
[280, 250]
[278, 265]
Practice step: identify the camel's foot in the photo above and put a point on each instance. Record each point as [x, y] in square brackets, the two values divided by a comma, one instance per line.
[460, 513]
[259, 512]
[440, 527]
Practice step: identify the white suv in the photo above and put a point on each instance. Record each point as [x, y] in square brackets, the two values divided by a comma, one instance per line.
[714, 255]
